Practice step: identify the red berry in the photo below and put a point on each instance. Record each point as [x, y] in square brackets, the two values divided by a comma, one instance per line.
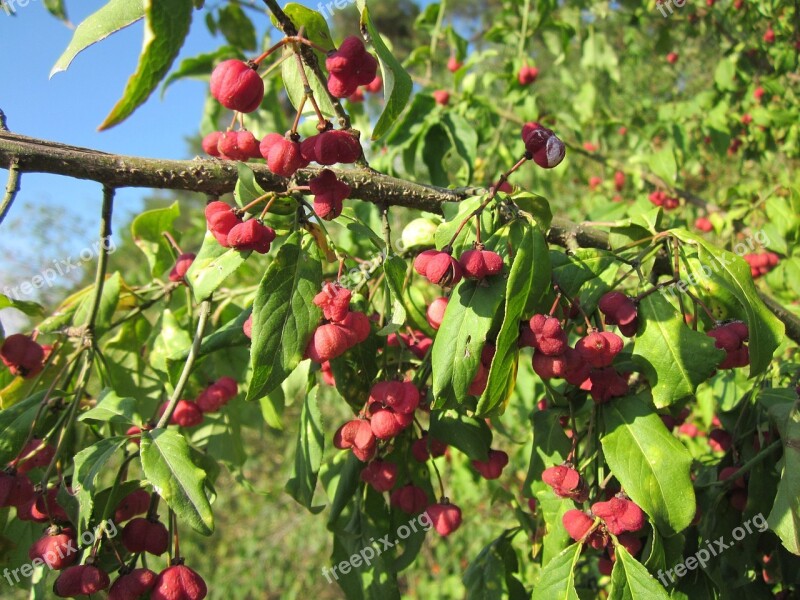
[229, 386]
[598, 349]
[549, 367]
[356, 327]
[133, 585]
[334, 300]
[179, 582]
[374, 86]
[446, 517]
[144, 535]
[400, 396]
[186, 414]
[212, 399]
[542, 145]
[438, 267]
[15, 489]
[758, 93]
[618, 309]
[442, 97]
[566, 482]
[427, 447]
[548, 336]
[356, 435]
[247, 327]
[577, 523]
[720, 440]
[80, 580]
[606, 383]
[283, 156]
[58, 548]
[22, 355]
[237, 86]
[672, 58]
[45, 507]
[435, 312]
[620, 515]
[328, 341]
[381, 475]
[251, 235]
[35, 454]
[182, 265]
[477, 264]
[135, 503]
[493, 466]
[619, 180]
[527, 75]
[331, 147]
[328, 194]
[769, 36]
[350, 66]
[453, 64]
[220, 219]
[385, 423]
[410, 499]
[210, 143]
[703, 224]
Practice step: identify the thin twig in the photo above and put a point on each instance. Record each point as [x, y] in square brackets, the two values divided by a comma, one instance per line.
[12, 188]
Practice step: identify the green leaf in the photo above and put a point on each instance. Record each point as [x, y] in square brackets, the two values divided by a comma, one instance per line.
[166, 25]
[457, 348]
[88, 464]
[212, 266]
[172, 340]
[115, 15]
[168, 466]
[784, 519]
[463, 138]
[397, 84]
[630, 580]
[32, 309]
[489, 576]
[663, 164]
[315, 28]
[529, 268]
[109, 298]
[674, 357]
[110, 408]
[470, 435]
[56, 8]
[308, 455]
[284, 314]
[557, 579]
[237, 28]
[147, 231]
[550, 447]
[651, 465]
[355, 371]
[395, 269]
[582, 266]
[15, 424]
[732, 274]
[200, 67]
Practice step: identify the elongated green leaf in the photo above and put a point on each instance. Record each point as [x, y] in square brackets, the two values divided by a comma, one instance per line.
[88, 464]
[284, 314]
[470, 435]
[582, 267]
[630, 580]
[32, 309]
[237, 28]
[490, 574]
[674, 357]
[213, 265]
[147, 231]
[649, 462]
[109, 299]
[784, 519]
[56, 8]
[732, 274]
[15, 424]
[308, 455]
[463, 138]
[395, 269]
[166, 25]
[457, 349]
[397, 82]
[315, 28]
[110, 408]
[115, 15]
[557, 579]
[528, 267]
[168, 466]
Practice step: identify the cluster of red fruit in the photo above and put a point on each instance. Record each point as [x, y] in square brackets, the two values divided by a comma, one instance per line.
[761, 263]
[731, 337]
[662, 199]
[226, 225]
[23, 356]
[389, 411]
[440, 268]
[344, 328]
[189, 413]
